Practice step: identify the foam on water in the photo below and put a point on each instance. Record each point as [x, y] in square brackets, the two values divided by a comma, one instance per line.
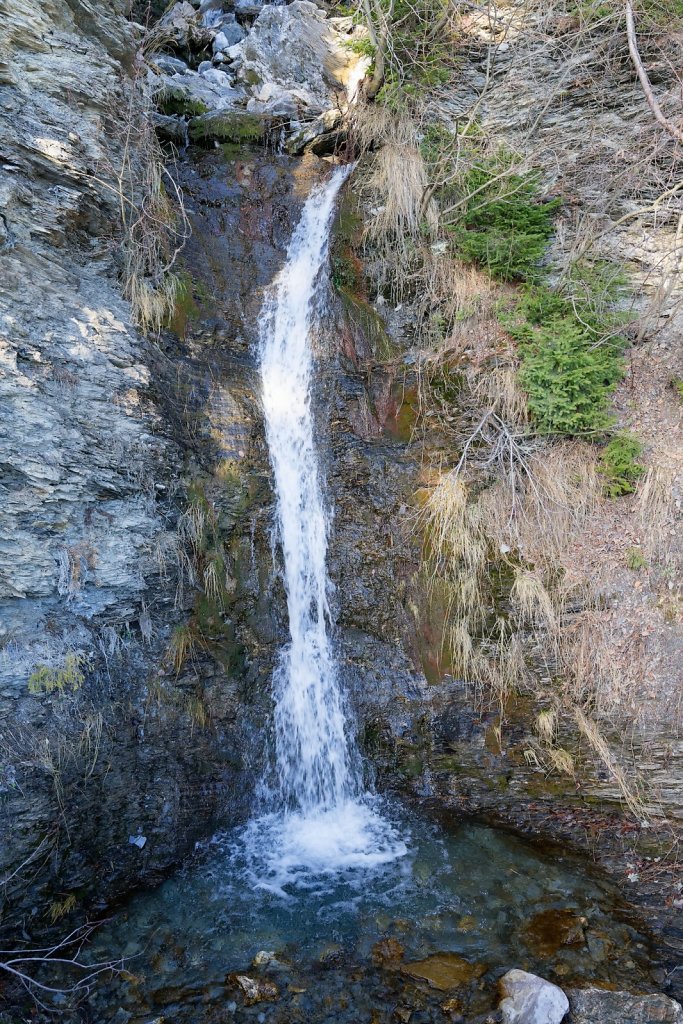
[320, 819]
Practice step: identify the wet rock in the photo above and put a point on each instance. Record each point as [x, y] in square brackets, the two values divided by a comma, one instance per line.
[387, 951]
[552, 929]
[308, 133]
[255, 990]
[263, 956]
[596, 1006]
[197, 92]
[236, 126]
[170, 127]
[528, 999]
[444, 970]
[170, 65]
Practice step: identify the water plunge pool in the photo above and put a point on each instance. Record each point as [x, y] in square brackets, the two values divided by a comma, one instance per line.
[422, 938]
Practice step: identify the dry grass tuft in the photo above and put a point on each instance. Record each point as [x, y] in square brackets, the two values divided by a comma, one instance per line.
[657, 515]
[532, 601]
[599, 745]
[395, 183]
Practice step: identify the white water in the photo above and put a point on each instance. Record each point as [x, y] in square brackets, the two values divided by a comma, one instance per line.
[324, 821]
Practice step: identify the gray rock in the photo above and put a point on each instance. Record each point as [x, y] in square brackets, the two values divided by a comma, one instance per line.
[174, 129]
[528, 999]
[170, 65]
[183, 26]
[230, 32]
[207, 91]
[597, 1006]
[295, 52]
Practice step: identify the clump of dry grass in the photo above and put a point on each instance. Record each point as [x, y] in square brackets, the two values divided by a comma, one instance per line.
[532, 601]
[628, 789]
[395, 182]
[657, 515]
[154, 222]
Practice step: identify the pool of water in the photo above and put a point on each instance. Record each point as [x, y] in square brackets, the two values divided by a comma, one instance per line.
[425, 934]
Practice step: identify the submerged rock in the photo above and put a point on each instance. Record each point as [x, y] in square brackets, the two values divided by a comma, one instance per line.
[528, 999]
[551, 929]
[387, 951]
[255, 990]
[596, 1006]
[444, 970]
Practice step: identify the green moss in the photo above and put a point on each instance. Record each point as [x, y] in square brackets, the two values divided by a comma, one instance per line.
[176, 102]
[236, 127]
[401, 424]
[366, 317]
[185, 309]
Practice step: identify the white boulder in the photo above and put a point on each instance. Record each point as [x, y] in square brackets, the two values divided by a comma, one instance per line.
[528, 999]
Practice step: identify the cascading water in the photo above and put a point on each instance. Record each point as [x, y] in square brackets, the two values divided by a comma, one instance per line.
[324, 821]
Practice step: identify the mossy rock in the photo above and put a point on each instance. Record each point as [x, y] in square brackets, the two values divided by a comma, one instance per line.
[176, 102]
[234, 126]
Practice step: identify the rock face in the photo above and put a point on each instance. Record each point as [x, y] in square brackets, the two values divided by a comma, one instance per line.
[595, 1006]
[528, 999]
[98, 742]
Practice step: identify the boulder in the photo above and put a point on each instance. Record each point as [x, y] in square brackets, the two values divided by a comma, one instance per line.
[197, 92]
[528, 999]
[297, 51]
[597, 1006]
[230, 33]
[182, 27]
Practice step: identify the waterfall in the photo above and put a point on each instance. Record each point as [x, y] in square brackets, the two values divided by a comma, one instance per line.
[323, 821]
[312, 748]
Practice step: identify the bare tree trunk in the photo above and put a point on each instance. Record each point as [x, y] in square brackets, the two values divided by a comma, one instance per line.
[643, 77]
[378, 26]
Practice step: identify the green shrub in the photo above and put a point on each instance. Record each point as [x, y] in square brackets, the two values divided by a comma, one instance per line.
[570, 346]
[635, 559]
[618, 465]
[505, 227]
[568, 380]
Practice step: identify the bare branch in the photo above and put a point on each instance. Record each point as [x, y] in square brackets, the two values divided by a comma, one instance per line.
[653, 104]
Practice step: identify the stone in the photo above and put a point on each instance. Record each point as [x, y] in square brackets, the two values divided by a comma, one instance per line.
[552, 929]
[528, 999]
[170, 65]
[195, 92]
[597, 1006]
[295, 49]
[230, 33]
[444, 970]
[183, 27]
[387, 951]
[255, 990]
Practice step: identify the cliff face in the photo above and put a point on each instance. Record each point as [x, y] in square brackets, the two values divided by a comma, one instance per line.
[88, 465]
